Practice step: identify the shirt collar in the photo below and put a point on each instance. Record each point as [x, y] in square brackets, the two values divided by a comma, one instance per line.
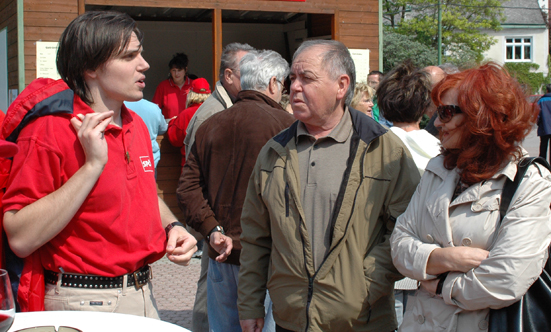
[339, 134]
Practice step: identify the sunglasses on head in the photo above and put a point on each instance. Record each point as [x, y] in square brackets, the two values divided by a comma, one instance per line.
[446, 112]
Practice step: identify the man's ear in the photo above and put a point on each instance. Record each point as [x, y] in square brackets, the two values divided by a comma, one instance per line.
[343, 82]
[90, 74]
[227, 76]
[273, 85]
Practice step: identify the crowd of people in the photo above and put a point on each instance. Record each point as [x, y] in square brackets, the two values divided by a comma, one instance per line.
[312, 217]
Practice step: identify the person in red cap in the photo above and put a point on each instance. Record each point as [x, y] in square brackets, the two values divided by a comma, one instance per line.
[200, 91]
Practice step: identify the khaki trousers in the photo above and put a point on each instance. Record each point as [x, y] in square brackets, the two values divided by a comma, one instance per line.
[125, 300]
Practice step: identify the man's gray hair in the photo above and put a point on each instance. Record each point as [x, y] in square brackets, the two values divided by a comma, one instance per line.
[228, 59]
[336, 59]
[258, 68]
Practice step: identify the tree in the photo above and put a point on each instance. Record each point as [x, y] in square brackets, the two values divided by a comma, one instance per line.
[462, 25]
[397, 48]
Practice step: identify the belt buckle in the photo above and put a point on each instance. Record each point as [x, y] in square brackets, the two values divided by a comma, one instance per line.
[138, 284]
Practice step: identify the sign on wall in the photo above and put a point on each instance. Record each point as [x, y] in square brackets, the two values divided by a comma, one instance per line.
[46, 53]
[361, 61]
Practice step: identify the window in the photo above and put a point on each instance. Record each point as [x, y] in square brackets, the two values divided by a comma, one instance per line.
[518, 49]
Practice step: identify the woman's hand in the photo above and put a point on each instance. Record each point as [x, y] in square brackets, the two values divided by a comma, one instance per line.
[458, 259]
[430, 285]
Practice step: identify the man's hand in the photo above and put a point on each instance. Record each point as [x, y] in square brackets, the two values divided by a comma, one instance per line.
[456, 259]
[180, 246]
[90, 128]
[222, 244]
[252, 325]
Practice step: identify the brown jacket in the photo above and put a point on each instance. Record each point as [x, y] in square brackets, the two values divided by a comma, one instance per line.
[213, 184]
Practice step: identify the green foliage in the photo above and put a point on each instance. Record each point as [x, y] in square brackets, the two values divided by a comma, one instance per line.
[523, 72]
[462, 21]
[397, 48]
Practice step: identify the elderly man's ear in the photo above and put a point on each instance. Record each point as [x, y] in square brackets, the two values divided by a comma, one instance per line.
[227, 75]
[344, 82]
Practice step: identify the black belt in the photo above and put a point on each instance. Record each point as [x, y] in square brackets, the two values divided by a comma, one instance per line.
[138, 278]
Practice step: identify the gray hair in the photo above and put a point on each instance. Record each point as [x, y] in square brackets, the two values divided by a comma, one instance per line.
[258, 68]
[336, 59]
[228, 59]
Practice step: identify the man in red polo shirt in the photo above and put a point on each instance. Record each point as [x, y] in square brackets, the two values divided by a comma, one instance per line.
[81, 196]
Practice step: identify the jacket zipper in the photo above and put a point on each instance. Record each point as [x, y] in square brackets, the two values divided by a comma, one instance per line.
[287, 199]
[311, 279]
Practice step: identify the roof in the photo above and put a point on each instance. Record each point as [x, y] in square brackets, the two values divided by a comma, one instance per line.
[522, 12]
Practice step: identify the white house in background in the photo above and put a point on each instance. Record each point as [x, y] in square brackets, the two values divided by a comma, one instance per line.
[524, 37]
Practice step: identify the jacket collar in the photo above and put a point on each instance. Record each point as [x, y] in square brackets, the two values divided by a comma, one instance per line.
[222, 95]
[440, 200]
[251, 95]
[367, 128]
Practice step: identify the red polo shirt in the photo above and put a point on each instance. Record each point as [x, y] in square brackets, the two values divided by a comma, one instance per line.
[170, 98]
[118, 227]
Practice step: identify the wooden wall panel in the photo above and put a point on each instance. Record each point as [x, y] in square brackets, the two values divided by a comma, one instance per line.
[60, 6]
[8, 19]
[44, 20]
[168, 173]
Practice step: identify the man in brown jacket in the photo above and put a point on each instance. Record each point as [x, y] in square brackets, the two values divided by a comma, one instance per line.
[214, 181]
[321, 205]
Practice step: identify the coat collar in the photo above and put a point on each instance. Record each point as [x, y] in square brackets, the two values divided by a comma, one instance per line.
[439, 202]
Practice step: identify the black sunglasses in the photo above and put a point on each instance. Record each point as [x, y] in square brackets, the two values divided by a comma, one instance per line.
[446, 112]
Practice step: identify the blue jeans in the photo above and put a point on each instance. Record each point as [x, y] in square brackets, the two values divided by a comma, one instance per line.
[401, 301]
[222, 299]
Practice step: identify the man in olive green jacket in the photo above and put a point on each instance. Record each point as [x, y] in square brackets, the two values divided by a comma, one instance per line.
[320, 207]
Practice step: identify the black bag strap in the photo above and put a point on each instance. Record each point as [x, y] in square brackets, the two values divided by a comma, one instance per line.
[511, 186]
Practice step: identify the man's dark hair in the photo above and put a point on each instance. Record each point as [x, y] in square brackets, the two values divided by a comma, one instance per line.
[376, 72]
[90, 41]
[548, 87]
[404, 94]
[179, 61]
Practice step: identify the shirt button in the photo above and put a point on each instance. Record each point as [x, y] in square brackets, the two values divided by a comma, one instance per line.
[466, 242]
[316, 146]
[483, 325]
[81, 302]
[313, 163]
[430, 239]
[420, 319]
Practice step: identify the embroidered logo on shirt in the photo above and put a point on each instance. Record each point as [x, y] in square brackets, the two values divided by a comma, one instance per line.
[147, 164]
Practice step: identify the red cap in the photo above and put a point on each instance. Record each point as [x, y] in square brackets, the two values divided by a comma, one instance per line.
[8, 149]
[200, 85]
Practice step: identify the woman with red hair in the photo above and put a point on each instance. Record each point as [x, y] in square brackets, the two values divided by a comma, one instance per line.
[450, 238]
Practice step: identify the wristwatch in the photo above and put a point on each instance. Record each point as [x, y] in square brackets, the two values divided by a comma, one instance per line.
[172, 225]
[215, 229]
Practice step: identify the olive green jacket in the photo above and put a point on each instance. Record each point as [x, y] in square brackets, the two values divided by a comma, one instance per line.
[353, 288]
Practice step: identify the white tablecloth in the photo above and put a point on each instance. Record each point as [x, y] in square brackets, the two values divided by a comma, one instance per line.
[90, 321]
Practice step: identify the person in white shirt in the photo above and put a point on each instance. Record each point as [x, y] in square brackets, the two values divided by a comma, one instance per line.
[404, 96]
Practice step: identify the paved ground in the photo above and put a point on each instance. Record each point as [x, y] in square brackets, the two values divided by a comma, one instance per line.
[174, 286]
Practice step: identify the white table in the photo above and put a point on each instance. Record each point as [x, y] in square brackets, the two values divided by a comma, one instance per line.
[91, 321]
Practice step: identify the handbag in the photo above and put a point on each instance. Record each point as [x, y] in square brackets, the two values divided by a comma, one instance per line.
[533, 311]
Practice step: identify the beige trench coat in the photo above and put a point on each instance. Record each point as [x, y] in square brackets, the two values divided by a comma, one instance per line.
[518, 250]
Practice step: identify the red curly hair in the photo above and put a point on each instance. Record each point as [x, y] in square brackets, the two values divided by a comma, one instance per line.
[497, 118]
